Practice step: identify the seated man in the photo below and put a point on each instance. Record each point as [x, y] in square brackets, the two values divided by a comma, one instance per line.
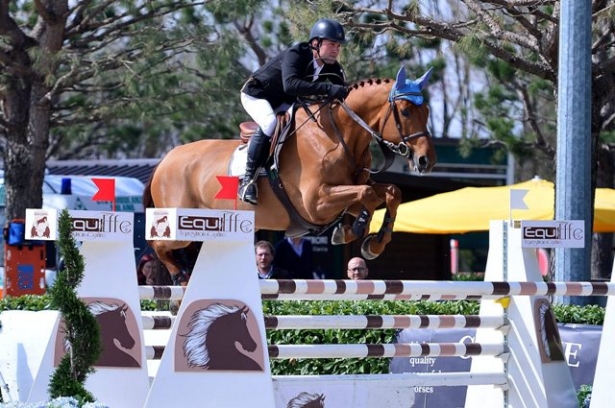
[357, 269]
[264, 262]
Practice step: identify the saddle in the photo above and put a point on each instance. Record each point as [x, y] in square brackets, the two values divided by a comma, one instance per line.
[283, 128]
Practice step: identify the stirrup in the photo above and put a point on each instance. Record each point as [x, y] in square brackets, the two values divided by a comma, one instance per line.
[243, 192]
[180, 278]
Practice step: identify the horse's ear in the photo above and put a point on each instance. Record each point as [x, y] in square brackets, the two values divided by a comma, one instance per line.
[400, 80]
[422, 81]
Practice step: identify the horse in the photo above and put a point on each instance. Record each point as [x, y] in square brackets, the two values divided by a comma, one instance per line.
[111, 318]
[324, 168]
[213, 332]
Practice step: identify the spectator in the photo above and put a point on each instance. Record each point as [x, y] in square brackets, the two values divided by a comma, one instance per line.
[295, 255]
[151, 271]
[265, 253]
[357, 269]
[141, 277]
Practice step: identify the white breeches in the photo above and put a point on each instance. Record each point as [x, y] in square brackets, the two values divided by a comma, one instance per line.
[261, 112]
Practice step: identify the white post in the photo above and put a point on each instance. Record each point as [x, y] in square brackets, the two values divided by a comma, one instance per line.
[602, 394]
[538, 375]
[109, 283]
[213, 359]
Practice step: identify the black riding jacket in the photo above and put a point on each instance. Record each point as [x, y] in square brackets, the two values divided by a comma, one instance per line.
[289, 75]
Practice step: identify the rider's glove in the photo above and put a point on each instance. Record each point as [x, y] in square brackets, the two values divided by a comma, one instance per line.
[337, 91]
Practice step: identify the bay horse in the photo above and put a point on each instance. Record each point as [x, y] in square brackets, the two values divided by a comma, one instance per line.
[324, 167]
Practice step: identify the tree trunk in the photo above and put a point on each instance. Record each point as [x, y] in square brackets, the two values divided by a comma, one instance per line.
[17, 153]
[38, 135]
[28, 109]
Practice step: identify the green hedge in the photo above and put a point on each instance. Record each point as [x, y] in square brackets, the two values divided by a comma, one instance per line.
[565, 314]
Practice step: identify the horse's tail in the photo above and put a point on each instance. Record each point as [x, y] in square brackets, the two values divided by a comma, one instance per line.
[148, 200]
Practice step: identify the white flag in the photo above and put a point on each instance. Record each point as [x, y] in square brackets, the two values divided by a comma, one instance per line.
[516, 199]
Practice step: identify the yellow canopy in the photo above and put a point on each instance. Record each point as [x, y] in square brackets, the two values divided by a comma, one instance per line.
[470, 209]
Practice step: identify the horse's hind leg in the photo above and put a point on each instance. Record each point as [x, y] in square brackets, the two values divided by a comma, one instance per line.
[179, 276]
[164, 251]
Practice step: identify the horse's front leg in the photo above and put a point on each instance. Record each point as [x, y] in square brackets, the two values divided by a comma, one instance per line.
[368, 198]
[374, 244]
[353, 199]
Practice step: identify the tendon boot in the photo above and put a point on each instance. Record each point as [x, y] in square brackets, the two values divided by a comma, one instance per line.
[258, 151]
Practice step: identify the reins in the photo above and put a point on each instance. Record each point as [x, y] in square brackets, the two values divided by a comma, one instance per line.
[401, 148]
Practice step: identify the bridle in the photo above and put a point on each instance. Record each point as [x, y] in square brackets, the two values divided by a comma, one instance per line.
[400, 148]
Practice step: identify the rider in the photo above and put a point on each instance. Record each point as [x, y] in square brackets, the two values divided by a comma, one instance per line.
[302, 69]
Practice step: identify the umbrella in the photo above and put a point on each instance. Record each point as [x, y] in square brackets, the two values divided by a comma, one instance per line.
[470, 209]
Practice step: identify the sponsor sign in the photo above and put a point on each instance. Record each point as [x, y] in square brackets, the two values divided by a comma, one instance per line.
[580, 344]
[187, 224]
[102, 226]
[553, 234]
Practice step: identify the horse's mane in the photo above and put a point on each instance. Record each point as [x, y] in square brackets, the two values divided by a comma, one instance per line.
[361, 83]
[194, 346]
[99, 307]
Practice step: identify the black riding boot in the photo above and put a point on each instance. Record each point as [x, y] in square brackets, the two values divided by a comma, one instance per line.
[258, 151]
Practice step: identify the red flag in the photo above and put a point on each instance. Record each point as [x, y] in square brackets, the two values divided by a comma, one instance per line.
[230, 184]
[106, 190]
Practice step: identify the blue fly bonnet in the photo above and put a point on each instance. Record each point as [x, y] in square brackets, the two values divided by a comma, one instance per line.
[407, 89]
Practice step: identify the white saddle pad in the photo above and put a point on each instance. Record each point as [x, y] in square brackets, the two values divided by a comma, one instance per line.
[237, 164]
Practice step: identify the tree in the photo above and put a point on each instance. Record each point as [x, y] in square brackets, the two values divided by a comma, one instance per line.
[519, 40]
[75, 75]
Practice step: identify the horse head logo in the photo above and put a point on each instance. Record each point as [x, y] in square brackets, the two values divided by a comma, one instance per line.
[41, 228]
[111, 318]
[160, 228]
[550, 343]
[307, 400]
[218, 338]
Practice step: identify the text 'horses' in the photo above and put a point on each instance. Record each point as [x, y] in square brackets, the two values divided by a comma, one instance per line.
[324, 167]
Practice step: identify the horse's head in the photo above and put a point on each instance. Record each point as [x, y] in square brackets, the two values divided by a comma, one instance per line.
[307, 400]
[113, 324]
[237, 324]
[405, 123]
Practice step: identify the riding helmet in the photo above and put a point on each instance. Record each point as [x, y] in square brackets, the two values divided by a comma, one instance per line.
[328, 29]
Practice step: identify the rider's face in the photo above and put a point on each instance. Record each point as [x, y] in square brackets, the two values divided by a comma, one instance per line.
[329, 51]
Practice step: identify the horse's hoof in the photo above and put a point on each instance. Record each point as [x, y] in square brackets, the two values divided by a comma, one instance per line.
[173, 307]
[180, 279]
[367, 254]
[337, 237]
